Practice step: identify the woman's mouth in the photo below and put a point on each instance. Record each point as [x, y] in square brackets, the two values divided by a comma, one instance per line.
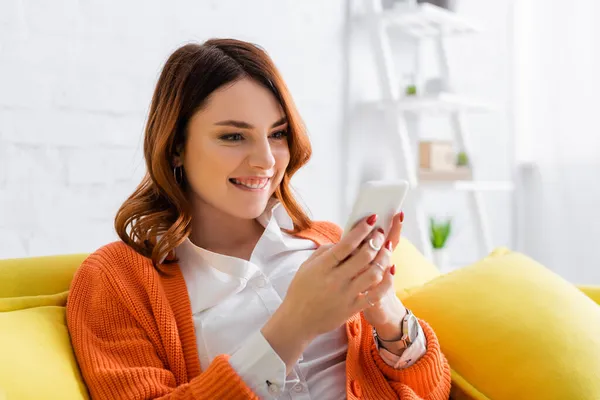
[252, 184]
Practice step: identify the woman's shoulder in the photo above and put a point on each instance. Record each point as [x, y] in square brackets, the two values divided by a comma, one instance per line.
[117, 254]
[109, 288]
[116, 262]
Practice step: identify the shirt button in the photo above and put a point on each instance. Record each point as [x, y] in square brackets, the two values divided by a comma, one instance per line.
[356, 389]
[299, 388]
[274, 389]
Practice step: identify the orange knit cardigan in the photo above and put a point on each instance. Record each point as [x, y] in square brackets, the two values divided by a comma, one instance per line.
[132, 331]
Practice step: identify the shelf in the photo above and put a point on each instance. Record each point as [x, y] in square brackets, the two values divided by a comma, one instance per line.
[469, 186]
[443, 102]
[457, 174]
[426, 20]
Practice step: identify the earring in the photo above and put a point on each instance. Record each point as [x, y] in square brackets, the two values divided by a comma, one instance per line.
[178, 174]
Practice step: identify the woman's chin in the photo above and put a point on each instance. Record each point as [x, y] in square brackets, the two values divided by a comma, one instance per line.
[250, 210]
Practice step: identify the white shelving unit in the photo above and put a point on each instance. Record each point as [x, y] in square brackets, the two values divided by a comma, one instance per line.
[444, 102]
[473, 186]
[426, 22]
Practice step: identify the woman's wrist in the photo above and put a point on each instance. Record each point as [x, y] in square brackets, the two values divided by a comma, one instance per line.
[286, 336]
[390, 332]
[396, 348]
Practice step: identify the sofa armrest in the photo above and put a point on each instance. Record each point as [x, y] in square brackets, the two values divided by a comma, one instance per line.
[34, 276]
[593, 292]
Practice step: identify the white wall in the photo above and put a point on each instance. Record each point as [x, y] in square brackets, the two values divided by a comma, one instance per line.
[76, 78]
[557, 86]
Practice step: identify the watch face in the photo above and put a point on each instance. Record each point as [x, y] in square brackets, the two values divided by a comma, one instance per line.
[413, 328]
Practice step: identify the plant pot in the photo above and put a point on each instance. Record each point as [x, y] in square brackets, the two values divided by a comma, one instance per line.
[440, 259]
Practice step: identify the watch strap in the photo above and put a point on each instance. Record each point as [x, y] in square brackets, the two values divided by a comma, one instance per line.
[404, 334]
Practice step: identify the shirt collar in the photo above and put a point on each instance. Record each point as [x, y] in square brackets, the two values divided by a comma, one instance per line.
[273, 218]
[277, 211]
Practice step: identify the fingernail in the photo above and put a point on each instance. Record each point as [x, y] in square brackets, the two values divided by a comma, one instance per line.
[371, 220]
[393, 269]
[380, 230]
[388, 245]
[401, 216]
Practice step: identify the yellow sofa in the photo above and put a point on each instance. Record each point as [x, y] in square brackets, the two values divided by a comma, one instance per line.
[36, 357]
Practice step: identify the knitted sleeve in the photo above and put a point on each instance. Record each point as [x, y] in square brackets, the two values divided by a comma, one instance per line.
[428, 378]
[121, 357]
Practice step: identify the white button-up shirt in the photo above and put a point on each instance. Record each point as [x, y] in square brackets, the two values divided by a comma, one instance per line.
[231, 300]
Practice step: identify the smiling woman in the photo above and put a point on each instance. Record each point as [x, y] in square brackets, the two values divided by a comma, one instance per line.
[221, 286]
[205, 95]
[237, 164]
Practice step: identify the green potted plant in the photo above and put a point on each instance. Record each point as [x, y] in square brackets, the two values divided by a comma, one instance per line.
[439, 233]
[409, 85]
[411, 90]
[462, 159]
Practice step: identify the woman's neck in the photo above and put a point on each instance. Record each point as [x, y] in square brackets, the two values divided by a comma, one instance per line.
[223, 233]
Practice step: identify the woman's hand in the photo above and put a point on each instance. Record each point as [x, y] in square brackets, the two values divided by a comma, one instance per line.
[327, 290]
[387, 310]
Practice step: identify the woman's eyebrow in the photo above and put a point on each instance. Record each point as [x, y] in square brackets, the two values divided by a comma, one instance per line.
[245, 125]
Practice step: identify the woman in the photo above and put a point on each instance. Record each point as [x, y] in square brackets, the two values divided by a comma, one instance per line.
[222, 287]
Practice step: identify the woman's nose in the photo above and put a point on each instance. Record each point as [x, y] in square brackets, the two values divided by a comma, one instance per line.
[261, 155]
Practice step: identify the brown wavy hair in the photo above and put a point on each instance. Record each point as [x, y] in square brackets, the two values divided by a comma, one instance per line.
[156, 218]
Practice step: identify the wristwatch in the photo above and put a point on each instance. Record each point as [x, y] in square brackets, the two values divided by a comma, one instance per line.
[409, 329]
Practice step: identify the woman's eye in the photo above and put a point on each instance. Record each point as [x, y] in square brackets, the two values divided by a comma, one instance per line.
[232, 137]
[280, 134]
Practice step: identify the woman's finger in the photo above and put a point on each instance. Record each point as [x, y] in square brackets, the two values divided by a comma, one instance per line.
[371, 273]
[361, 259]
[380, 262]
[375, 294]
[396, 229]
[382, 259]
[321, 249]
[344, 248]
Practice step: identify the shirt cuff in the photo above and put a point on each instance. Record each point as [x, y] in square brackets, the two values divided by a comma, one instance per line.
[259, 366]
[410, 356]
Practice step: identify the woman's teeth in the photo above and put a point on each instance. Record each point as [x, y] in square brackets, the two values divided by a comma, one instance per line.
[251, 184]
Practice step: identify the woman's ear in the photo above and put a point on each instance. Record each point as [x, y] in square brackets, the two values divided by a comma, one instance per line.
[177, 160]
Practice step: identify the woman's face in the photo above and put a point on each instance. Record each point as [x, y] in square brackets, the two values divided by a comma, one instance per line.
[237, 151]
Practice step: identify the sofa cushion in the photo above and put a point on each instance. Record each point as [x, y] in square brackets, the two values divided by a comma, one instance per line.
[512, 329]
[37, 359]
[21, 303]
[593, 292]
[412, 268]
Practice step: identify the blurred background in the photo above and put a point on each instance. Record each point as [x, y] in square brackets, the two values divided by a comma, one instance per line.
[487, 107]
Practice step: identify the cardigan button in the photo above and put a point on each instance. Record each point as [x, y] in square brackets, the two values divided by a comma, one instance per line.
[356, 389]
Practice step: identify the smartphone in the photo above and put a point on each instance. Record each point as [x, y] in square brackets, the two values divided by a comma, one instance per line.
[383, 198]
